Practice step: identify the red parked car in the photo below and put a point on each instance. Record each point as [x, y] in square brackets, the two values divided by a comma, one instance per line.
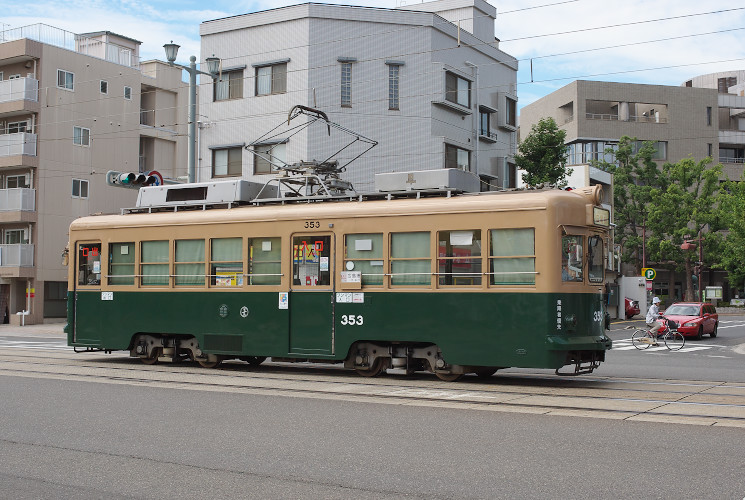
[694, 318]
[632, 308]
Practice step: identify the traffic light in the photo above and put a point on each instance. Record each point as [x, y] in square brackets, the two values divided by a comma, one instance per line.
[133, 179]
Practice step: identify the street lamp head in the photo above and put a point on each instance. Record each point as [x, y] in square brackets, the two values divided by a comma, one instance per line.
[171, 51]
[213, 65]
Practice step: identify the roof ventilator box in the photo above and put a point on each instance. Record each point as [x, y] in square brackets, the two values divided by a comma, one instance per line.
[232, 192]
[440, 179]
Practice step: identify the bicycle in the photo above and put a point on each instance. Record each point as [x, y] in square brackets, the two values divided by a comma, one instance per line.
[674, 341]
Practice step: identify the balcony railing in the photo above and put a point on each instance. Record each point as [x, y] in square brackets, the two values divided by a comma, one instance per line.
[147, 117]
[730, 159]
[19, 89]
[18, 255]
[614, 118]
[20, 143]
[17, 199]
[601, 116]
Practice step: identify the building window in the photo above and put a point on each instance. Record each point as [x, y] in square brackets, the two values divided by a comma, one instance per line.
[128, 93]
[229, 86]
[708, 115]
[710, 150]
[512, 256]
[122, 263]
[510, 176]
[16, 127]
[81, 136]
[484, 123]
[660, 149]
[15, 237]
[189, 267]
[393, 86]
[15, 181]
[271, 79]
[346, 85]
[456, 157]
[723, 84]
[227, 162]
[65, 80]
[104, 87]
[79, 188]
[267, 156]
[457, 89]
[511, 112]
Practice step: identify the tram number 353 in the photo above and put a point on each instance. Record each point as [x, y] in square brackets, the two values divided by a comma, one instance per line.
[352, 319]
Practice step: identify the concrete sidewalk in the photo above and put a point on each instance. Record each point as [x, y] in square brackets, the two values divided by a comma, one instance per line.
[50, 328]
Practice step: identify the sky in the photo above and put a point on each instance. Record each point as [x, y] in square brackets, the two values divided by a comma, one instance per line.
[663, 42]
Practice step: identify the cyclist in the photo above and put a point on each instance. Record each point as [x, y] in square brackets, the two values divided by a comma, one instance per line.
[653, 317]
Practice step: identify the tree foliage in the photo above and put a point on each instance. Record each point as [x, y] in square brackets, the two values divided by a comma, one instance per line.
[542, 155]
[635, 175]
[733, 247]
[682, 207]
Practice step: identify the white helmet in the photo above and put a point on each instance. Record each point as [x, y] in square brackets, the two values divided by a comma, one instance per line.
[656, 300]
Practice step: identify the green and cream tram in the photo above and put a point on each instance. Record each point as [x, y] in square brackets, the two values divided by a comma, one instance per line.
[451, 285]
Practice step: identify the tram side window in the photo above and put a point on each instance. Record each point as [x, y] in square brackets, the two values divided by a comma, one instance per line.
[571, 258]
[311, 260]
[122, 263]
[512, 256]
[154, 261]
[595, 259]
[226, 265]
[189, 268]
[364, 253]
[264, 261]
[410, 259]
[89, 264]
[459, 257]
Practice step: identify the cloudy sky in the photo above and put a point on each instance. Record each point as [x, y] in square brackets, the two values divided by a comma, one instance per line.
[659, 41]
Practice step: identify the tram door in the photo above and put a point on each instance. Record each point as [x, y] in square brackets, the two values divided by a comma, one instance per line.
[311, 294]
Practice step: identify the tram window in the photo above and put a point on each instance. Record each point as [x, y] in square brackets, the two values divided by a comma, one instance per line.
[226, 265]
[364, 253]
[264, 261]
[595, 259]
[189, 268]
[311, 260]
[121, 263]
[571, 258]
[89, 264]
[154, 263]
[410, 259]
[459, 257]
[512, 256]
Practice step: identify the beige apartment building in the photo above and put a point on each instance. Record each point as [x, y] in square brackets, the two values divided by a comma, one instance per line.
[73, 107]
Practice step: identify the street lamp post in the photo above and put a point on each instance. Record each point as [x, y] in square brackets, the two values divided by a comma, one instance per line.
[213, 65]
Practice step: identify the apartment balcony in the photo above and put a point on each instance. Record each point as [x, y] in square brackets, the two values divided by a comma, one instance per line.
[610, 117]
[20, 143]
[734, 137]
[18, 205]
[17, 261]
[20, 95]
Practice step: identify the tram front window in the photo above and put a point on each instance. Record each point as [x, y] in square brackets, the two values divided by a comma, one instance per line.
[571, 258]
[311, 256]
[595, 257]
[89, 264]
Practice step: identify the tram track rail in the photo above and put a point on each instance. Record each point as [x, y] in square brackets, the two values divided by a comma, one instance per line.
[671, 401]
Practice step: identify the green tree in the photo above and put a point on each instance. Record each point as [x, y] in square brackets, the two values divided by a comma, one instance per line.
[733, 247]
[685, 206]
[635, 174]
[542, 155]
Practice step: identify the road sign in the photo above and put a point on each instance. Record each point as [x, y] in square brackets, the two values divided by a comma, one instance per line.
[649, 273]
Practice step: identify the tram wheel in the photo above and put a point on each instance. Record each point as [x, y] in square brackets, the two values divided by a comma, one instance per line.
[255, 360]
[485, 371]
[210, 362]
[449, 377]
[153, 358]
[373, 371]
